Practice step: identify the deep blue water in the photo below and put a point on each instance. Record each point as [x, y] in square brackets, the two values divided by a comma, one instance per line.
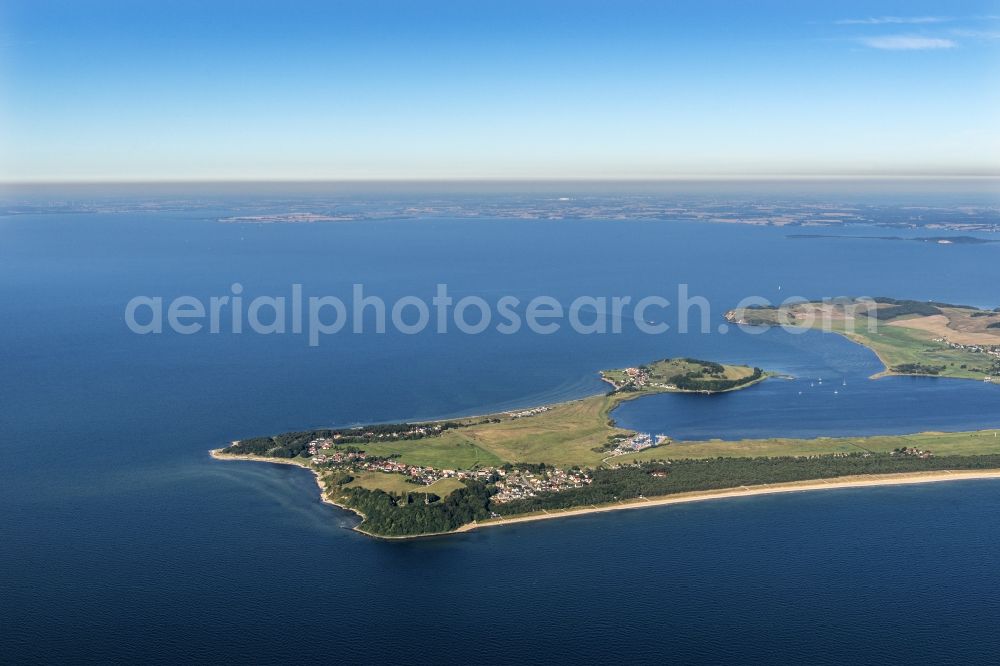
[121, 539]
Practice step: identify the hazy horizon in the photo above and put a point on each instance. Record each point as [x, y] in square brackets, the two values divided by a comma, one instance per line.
[104, 91]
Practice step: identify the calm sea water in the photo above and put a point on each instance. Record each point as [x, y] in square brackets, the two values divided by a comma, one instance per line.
[121, 539]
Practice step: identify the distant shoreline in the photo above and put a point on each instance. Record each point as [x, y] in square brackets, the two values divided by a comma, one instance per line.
[860, 481]
[927, 338]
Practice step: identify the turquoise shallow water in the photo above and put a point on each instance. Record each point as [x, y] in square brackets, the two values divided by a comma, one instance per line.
[123, 540]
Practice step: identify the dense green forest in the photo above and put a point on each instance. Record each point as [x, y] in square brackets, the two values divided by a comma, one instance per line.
[711, 367]
[899, 308]
[917, 369]
[415, 513]
[697, 382]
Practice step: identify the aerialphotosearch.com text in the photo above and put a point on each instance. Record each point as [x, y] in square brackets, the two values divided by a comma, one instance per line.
[318, 316]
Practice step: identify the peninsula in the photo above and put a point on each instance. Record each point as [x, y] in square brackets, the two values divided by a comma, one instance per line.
[418, 479]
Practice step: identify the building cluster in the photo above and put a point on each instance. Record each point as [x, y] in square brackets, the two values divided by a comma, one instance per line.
[362, 462]
[527, 412]
[413, 433]
[637, 377]
[992, 350]
[639, 442]
[337, 457]
[911, 452]
[521, 484]
[316, 445]
[511, 484]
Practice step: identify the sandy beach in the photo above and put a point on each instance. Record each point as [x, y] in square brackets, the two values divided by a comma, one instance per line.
[748, 491]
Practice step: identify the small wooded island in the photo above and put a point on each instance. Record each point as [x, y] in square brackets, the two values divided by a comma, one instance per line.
[419, 479]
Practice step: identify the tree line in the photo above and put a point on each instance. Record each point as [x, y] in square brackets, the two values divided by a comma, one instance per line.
[292, 444]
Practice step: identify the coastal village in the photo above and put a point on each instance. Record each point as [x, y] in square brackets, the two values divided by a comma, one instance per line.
[991, 350]
[512, 482]
[340, 451]
[522, 484]
[414, 432]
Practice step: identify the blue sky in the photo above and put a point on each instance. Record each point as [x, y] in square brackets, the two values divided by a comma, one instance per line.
[368, 89]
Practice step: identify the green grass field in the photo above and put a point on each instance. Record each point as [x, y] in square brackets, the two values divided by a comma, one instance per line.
[397, 483]
[940, 443]
[442, 452]
[563, 436]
